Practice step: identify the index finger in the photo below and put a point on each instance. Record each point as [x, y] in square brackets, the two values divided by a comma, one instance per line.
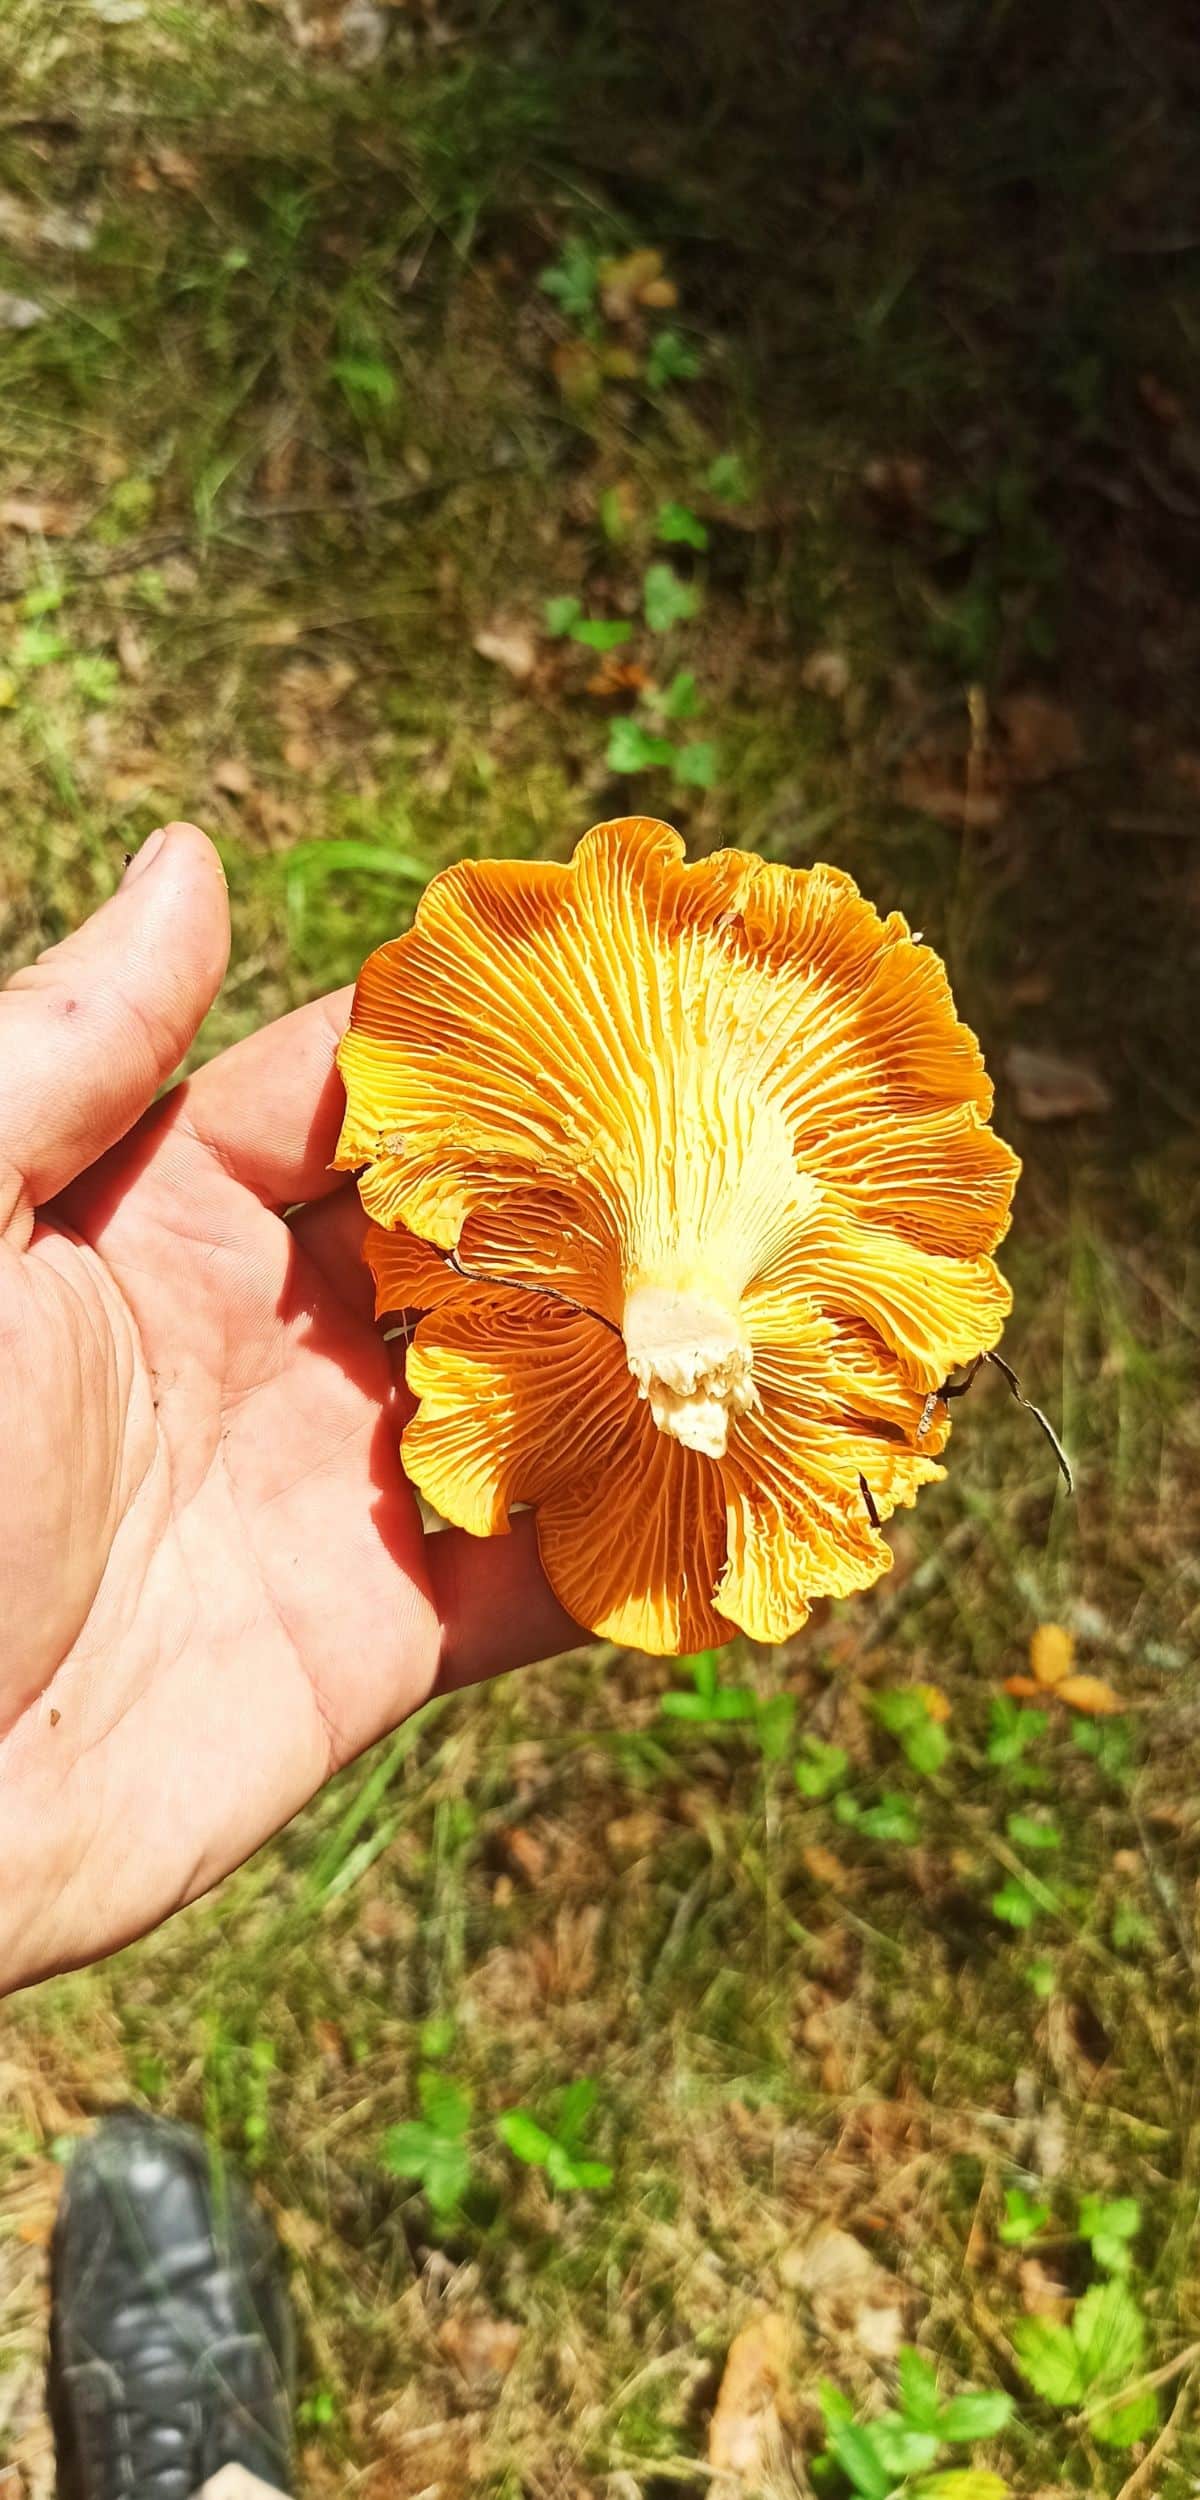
[270, 1108]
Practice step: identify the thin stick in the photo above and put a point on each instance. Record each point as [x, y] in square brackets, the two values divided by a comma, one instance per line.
[1007, 1373]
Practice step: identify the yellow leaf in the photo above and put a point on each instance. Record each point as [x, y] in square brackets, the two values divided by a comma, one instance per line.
[745, 2426]
[1051, 1653]
[937, 1704]
[1090, 1694]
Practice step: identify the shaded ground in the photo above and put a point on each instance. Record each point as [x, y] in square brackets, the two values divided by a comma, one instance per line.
[317, 386]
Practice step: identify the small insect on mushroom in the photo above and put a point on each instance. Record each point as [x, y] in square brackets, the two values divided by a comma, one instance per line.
[687, 1171]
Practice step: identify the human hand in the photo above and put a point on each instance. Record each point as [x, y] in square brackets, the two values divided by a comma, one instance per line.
[214, 1583]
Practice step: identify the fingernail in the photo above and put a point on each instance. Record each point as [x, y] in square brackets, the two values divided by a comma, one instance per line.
[143, 858]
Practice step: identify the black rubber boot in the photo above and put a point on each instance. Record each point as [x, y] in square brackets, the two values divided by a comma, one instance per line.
[170, 2339]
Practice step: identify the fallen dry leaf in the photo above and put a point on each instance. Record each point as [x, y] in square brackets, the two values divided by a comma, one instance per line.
[896, 483]
[825, 1867]
[232, 776]
[617, 676]
[745, 2432]
[480, 2346]
[1051, 1652]
[20, 312]
[633, 1835]
[1091, 1695]
[1162, 402]
[131, 651]
[850, 2295]
[827, 673]
[182, 172]
[1185, 769]
[524, 1853]
[38, 516]
[926, 788]
[1052, 1658]
[1048, 1087]
[510, 645]
[1042, 737]
[1042, 2295]
[634, 282]
[576, 369]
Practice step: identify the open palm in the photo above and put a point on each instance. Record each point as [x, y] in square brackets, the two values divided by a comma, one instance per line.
[214, 1582]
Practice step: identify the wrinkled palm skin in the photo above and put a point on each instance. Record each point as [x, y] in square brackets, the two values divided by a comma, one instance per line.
[214, 1582]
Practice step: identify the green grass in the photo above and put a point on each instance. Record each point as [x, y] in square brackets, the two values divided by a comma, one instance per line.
[302, 422]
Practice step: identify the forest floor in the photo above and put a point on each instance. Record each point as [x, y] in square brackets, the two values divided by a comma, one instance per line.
[365, 371]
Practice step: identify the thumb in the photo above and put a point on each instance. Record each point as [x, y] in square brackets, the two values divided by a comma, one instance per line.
[89, 1031]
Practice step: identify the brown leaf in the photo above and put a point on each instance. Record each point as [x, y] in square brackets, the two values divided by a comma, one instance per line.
[131, 651]
[301, 754]
[623, 283]
[926, 788]
[1162, 402]
[634, 1835]
[524, 1853]
[1042, 2295]
[1048, 1087]
[617, 676]
[1091, 1695]
[1042, 737]
[576, 369]
[849, 2293]
[182, 172]
[827, 673]
[38, 516]
[510, 645]
[745, 2432]
[480, 2346]
[1051, 1653]
[825, 1867]
[232, 776]
[897, 484]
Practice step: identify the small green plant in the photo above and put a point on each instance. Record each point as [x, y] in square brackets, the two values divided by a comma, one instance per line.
[676, 526]
[365, 382]
[1110, 1743]
[1110, 2225]
[1094, 2356]
[727, 479]
[1033, 1831]
[318, 2411]
[910, 1715]
[633, 748]
[558, 2147]
[434, 2148]
[1024, 2217]
[573, 281]
[565, 616]
[712, 1703]
[896, 2452]
[667, 600]
[1130, 1929]
[819, 1769]
[672, 358]
[893, 1817]
[1012, 1732]
[1014, 1904]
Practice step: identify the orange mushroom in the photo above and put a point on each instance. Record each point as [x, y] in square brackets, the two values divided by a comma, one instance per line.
[688, 1171]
